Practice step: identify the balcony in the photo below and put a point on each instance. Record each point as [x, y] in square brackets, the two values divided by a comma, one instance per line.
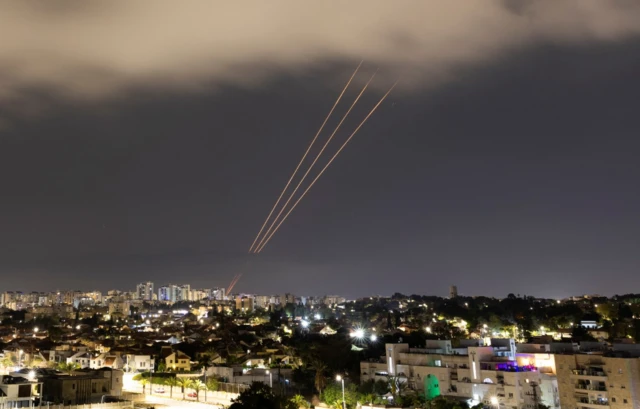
[588, 372]
[591, 387]
[587, 402]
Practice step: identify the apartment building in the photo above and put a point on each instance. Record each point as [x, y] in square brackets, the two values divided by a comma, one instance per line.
[597, 380]
[245, 303]
[488, 373]
[144, 291]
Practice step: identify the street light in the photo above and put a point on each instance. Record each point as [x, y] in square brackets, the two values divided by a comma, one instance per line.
[270, 378]
[341, 379]
[494, 401]
[20, 358]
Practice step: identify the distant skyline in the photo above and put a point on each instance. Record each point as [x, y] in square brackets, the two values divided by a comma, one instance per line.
[516, 171]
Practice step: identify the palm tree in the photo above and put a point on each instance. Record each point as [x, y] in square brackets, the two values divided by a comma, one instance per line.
[320, 380]
[171, 382]
[198, 385]
[68, 367]
[144, 382]
[184, 383]
[300, 402]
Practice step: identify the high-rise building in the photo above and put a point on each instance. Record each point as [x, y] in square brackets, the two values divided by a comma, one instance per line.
[144, 291]
[245, 303]
[453, 291]
[218, 294]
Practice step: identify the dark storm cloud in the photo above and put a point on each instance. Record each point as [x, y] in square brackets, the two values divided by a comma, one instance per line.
[96, 49]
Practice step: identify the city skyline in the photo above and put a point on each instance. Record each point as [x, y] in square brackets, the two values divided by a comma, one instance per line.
[501, 163]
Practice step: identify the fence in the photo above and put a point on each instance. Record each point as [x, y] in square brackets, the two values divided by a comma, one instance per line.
[232, 387]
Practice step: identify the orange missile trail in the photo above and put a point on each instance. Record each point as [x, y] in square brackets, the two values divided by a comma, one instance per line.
[260, 248]
[233, 282]
[251, 249]
[275, 220]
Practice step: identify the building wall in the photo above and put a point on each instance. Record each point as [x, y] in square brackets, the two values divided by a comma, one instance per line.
[582, 376]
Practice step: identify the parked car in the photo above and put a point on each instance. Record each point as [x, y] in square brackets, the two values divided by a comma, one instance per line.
[193, 395]
[159, 390]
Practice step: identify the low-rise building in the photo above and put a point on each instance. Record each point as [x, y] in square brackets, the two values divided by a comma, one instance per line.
[178, 361]
[82, 359]
[107, 360]
[492, 373]
[138, 363]
[18, 392]
[83, 387]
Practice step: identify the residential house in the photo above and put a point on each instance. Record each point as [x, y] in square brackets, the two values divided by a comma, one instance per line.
[82, 359]
[138, 363]
[178, 361]
[107, 360]
[17, 392]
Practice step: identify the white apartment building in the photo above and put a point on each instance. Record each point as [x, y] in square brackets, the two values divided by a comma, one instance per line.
[487, 374]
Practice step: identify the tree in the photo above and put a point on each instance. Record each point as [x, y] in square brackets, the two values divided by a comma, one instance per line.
[396, 387]
[198, 386]
[260, 396]
[171, 383]
[184, 383]
[7, 362]
[68, 367]
[213, 384]
[144, 382]
[332, 395]
[320, 380]
[300, 402]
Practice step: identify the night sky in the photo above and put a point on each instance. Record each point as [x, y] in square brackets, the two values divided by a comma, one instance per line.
[514, 172]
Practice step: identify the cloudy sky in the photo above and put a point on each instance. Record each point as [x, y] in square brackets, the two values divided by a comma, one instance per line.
[148, 140]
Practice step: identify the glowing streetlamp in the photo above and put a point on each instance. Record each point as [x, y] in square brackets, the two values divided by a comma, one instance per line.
[270, 378]
[494, 401]
[341, 379]
[428, 329]
[374, 338]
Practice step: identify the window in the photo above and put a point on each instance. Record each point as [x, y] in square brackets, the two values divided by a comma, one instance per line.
[624, 400]
[620, 370]
[613, 400]
[73, 386]
[94, 388]
[511, 396]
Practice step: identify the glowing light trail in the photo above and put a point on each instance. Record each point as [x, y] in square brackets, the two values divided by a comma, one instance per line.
[275, 220]
[260, 248]
[251, 249]
[233, 283]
